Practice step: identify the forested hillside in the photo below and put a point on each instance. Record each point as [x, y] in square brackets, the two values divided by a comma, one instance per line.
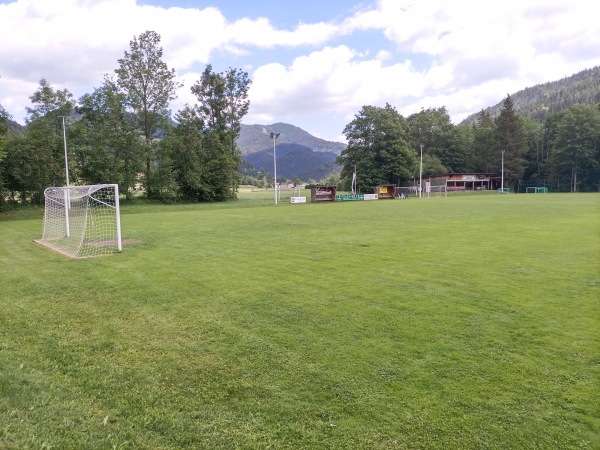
[255, 138]
[14, 127]
[543, 99]
[294, 161]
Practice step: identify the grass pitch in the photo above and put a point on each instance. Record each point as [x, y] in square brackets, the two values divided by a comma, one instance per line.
[465, 322]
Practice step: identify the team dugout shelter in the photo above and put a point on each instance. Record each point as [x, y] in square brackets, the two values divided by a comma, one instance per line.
[464, 181]
[322, 193]
[386, 191]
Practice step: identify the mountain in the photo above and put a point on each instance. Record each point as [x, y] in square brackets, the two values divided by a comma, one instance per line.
[14, 127]
[256, 138]
[540, 100]
[294, 161]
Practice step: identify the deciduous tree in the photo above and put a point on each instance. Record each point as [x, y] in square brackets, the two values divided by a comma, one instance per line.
[148, 85]
[184, 143]
[49, 103]
[447, 146]
[106, 142]
[485, 144]
[577, 145]
[35, 159]
[223, 102]
[534, 155]
[377, 147]
[4, 117]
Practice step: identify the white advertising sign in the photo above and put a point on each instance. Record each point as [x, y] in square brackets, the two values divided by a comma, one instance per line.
[298, 200]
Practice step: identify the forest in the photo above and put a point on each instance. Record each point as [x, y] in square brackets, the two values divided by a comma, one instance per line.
[561, 152]
[122, 133]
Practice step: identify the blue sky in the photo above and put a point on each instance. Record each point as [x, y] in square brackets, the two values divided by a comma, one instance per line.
[313, 64]
[281, 13]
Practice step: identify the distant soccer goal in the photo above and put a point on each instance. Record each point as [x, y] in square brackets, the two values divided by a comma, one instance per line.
[436, 191]
[82, 221]
[406, 191]
[536, 190]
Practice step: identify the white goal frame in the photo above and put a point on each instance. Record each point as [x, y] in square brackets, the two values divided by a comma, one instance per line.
[536, 190]
[408, 191]
[437, 191]
[82, 221]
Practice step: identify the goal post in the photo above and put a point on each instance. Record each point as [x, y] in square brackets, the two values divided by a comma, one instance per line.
[82, 221]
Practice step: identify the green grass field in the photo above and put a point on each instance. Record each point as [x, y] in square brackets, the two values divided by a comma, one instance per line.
[467, 322]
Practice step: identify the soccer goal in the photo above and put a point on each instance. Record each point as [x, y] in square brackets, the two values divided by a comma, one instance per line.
[536, 190]
[406, 191]
[82, 221]
[436, 191]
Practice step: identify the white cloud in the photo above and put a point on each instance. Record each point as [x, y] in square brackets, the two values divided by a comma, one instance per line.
[463, 55]
[383, 55]
[332, 80]
[260, 33]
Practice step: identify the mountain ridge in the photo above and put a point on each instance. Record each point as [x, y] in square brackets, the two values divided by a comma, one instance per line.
[294, 161]
[546, 98]
[257, 137]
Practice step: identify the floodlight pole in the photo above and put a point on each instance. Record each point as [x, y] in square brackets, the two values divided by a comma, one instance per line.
[275, 136]
[66, 153]
[502, 182]
[421, 174]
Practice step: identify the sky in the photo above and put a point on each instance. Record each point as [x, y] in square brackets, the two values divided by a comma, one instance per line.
[313, 63]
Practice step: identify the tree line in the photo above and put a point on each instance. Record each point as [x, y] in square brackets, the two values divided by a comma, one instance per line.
[121, 133]
[561, 152]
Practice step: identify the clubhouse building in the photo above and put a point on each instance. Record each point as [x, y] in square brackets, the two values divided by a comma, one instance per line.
[465, 181]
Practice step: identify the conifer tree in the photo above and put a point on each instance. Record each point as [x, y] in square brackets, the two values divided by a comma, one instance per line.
[511, 141]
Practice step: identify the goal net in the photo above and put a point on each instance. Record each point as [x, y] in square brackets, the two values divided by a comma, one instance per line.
[82, 221]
